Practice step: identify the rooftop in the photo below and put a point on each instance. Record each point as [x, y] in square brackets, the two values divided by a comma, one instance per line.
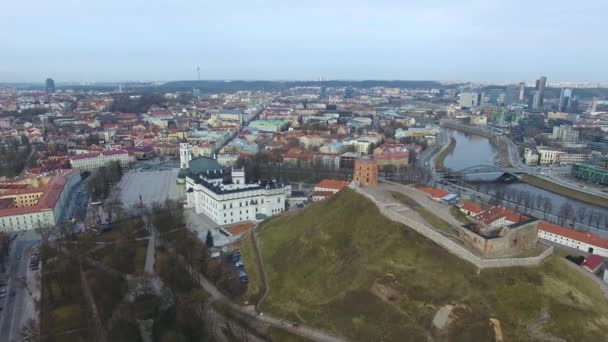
[332, 184]
[588, 238]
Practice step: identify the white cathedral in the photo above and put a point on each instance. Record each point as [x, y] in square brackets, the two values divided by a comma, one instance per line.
[224, 196]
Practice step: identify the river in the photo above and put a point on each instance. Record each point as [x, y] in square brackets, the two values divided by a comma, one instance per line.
[472, 150]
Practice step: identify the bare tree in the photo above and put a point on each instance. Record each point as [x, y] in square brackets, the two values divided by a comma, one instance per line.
[590, 217]
[581, 211]
[539, 201]
[547, 207]
[30, 331]
[566, 212]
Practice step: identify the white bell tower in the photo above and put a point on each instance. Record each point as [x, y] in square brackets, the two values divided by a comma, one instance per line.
[184, 155]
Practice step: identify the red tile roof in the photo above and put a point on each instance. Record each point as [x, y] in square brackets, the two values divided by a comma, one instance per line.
[515, 217]
[588, 238]
[391, 155]
[472, 207]
[492, 215]
[47, 200]
[592, 262]
[433, 192]
[332, 184]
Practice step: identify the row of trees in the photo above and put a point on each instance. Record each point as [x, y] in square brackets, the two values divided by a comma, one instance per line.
[526, 202]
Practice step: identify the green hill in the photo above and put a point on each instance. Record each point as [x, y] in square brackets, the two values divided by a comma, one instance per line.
[341, 266]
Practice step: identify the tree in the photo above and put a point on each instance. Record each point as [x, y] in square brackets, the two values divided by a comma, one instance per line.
[30, 331]
[209, 239]
[566, 211]
[547, 207]
[581, 213]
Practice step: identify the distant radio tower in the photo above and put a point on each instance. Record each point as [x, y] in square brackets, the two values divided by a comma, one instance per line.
[198, 73]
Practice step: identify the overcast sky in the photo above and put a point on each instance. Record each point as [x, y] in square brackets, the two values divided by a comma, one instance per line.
[117, 40]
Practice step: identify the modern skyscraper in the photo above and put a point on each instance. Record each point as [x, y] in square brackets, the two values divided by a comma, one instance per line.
[541, 84]
[521, 92]
[50, 86]
[565, 99]
[536, 99]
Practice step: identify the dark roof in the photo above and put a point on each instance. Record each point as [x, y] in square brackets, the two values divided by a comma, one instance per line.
[200, 165]
[263, 184]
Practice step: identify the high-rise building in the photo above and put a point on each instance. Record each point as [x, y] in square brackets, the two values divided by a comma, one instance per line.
[565, 99]
[536, 99]
[541, 84]
[521, 92]
[469, 99]
[565, 133]
[50, 86]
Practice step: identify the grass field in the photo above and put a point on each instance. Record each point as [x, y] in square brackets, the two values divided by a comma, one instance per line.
[279, 335]
[255, 286]
[565, 191]
[341, 266]
[432, 219]
[459, 215]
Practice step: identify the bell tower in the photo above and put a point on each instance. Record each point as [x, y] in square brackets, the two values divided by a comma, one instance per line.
[184, 155]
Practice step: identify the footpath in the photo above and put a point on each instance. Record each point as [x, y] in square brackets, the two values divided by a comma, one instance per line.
[394, 210]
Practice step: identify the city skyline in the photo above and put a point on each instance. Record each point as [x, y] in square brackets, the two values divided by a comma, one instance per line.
[471, 40]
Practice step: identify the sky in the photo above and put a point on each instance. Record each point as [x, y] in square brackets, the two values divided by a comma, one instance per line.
[137, 40]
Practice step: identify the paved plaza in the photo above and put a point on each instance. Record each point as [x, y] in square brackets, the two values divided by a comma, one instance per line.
[152, 185]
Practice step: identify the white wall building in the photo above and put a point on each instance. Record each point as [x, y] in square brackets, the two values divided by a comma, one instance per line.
[37, 207]
[586, 242]
[226, 198]
[89, 161]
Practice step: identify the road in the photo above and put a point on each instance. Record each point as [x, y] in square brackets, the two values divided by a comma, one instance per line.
[13, 315]
[546, 172]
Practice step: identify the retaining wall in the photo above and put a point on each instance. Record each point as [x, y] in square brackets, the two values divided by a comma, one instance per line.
[451, 246]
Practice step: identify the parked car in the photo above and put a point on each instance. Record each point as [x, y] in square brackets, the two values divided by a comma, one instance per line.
[243, 277]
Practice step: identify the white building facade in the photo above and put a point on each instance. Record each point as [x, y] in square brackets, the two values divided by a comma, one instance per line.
[226, 198]
[95, 160]
[45, 211]
[586, 242]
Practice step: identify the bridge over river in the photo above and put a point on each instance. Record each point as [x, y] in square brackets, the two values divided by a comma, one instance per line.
[485, 173]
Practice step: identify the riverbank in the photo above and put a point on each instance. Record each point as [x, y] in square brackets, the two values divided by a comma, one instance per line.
[444, 153]
[503, 158]
[565, 191]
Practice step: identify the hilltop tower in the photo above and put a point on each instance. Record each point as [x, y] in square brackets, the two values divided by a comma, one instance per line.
[366, 172]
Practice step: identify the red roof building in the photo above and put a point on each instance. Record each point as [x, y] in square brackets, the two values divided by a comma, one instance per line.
[471, 209]
[584, 241]
[434, 193]
[593, 263]
[331, 185]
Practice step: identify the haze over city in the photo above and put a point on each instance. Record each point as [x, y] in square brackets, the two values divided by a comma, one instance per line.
[438, 40]
[303, 171]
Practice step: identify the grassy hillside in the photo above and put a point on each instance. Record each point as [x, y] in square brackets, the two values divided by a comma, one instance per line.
[342, 266]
